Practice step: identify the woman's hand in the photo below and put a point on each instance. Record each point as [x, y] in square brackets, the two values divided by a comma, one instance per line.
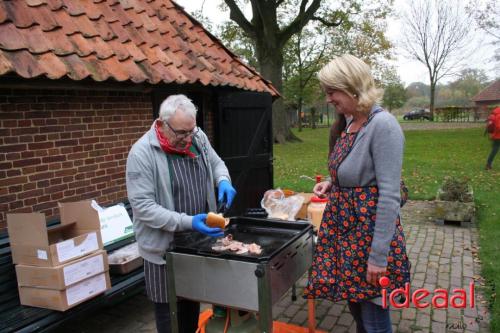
[320, 189]
[374, 273]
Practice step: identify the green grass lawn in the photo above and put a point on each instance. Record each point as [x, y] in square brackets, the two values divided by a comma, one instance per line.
[429, 156]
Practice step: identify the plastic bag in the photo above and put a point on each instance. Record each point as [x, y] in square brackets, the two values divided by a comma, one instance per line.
[278, 206]
[124, 254]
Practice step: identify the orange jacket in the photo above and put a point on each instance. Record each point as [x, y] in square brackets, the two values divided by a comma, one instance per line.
[496, 118]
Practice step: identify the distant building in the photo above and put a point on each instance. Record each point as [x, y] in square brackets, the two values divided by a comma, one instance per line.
[489, 97]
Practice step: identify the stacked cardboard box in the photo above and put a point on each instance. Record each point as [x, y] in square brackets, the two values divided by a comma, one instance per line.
[61, 267]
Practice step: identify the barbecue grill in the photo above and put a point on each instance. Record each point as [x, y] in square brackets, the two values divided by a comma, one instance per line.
[242, 281]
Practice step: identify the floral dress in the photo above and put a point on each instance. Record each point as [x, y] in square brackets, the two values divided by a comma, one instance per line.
[344, 239]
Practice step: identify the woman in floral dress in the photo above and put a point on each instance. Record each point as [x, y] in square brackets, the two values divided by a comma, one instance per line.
[360, 237]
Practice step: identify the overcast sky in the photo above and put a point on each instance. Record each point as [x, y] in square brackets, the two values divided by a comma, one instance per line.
[409, 70]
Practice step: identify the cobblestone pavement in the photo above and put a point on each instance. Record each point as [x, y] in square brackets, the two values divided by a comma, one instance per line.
[441, 256]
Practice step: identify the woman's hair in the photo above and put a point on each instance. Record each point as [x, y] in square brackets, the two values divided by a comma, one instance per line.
[352, 76]
[176, 103]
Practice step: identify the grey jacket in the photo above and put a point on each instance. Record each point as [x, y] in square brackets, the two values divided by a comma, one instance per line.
[376, 158]
[150, 193]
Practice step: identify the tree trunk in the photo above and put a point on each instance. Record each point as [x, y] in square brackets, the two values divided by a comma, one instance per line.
[271, 68]
[431, 106]
[299, 110]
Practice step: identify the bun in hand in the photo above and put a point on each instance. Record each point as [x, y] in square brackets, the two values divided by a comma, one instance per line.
[216, 220]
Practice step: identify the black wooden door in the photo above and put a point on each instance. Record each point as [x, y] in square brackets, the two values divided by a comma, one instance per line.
[244, 142]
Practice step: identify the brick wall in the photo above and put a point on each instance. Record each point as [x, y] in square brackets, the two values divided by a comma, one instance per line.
[65, 146]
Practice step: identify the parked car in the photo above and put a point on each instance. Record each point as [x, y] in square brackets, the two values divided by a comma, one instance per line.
[417, 114]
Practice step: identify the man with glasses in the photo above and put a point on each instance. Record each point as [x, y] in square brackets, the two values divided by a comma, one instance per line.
[172, 172]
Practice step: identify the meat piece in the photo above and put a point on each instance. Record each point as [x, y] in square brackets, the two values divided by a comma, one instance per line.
[229, 244]
[254, 248]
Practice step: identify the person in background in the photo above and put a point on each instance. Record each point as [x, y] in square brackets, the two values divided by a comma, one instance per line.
[172, 172]
[494, 131]
[360, 238]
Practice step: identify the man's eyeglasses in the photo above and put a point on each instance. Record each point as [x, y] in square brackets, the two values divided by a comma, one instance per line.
[180, 134]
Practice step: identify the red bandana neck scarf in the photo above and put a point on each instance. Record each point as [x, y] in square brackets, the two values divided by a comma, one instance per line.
[167, 147]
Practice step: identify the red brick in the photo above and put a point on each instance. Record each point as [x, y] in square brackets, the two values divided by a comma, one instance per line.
[86, 141]
[27, 154]
[68, 179]
[28, 170]
[24, 123]
[65, 172]
[42, 184]
[13, 181]
[41, 176]
[63, 143]
[13, 173]
[7, 198]
[11, 140]
[30, 194]
[15, 205]
[55, 166]
[56, 181]
[15, 188]
[69, 193]
[27, 162]
[45, 205]
[5, 165]
[52, 159]
[82, 183]
[41, 145]
[51, 129]
[77, 156]
[30, 202]
[26, 139]
[41, 168]
[12, 148]
[24, 130]
[29, 186]
[57, 196]
[56, 188]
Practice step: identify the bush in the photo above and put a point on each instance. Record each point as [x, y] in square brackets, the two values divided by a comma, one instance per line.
[455, 189]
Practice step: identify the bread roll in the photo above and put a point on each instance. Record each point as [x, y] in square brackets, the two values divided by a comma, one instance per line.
[216, 220]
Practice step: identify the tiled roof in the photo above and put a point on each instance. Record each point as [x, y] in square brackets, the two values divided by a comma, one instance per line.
[490, 93]
[151, 41]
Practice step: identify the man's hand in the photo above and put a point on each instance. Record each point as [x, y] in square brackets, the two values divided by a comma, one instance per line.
[200, 226]
[226, 193]
[374, 273]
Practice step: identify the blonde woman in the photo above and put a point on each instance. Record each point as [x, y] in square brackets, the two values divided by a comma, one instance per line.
[360, 238]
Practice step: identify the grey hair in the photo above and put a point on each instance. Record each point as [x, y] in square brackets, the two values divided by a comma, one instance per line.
[352, 76]
[175, 103]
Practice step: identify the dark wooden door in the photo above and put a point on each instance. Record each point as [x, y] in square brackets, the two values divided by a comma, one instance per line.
[244, 142]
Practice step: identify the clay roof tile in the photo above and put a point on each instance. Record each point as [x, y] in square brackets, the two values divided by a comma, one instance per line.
[123, 40]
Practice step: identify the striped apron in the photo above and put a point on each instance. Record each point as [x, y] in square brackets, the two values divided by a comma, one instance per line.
[189, 179]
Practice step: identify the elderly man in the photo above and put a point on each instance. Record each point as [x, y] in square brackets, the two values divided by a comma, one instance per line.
[172, 171]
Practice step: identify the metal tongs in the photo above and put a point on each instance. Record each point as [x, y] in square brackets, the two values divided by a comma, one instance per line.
[222, 209]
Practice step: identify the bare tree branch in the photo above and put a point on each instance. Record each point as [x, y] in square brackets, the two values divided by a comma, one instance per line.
[304, 16]
[436, 34]
[237, 16]
[327, 23]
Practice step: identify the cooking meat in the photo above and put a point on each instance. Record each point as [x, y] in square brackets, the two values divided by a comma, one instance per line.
[229, 244]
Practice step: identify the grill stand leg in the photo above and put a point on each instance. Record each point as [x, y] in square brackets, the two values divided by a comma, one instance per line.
[171, 294]
[265, 301]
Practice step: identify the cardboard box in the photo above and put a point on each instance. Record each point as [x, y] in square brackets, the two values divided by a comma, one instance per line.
[62, 300]
[302, 214]
[60, 277]
[33, 244]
